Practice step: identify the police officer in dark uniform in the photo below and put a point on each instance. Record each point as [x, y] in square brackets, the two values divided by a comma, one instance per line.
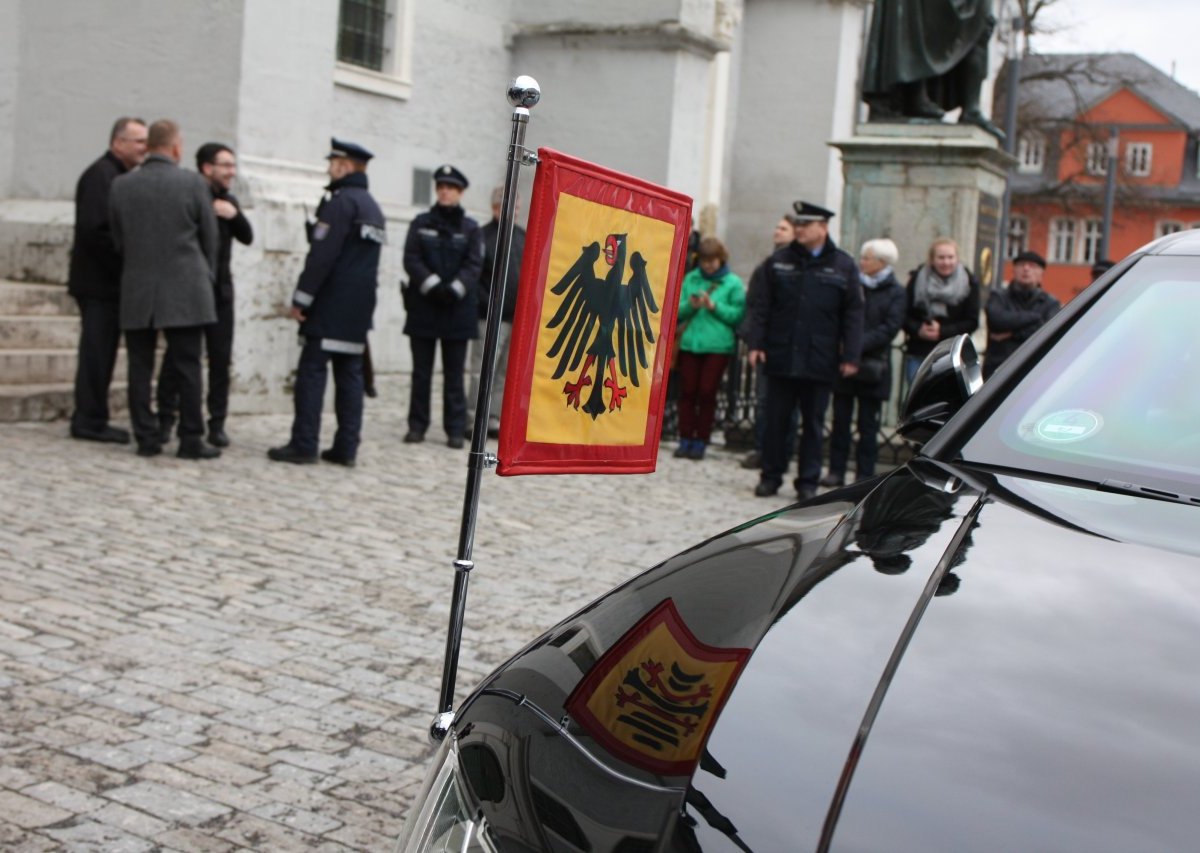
[807, 332]
[443, 256]
[334, 301]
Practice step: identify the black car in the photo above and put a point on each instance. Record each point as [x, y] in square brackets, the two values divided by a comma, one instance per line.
[992, 648]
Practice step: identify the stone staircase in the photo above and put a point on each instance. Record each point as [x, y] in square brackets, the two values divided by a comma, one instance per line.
[39, 335]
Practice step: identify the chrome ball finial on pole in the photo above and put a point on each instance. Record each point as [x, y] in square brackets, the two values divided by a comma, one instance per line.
[524, 91]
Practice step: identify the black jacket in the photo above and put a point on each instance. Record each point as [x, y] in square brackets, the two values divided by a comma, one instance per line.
[95, 271]
[1016, 310]
[228, 230]
[811, 319]
[960, 319]
[336, 290]
[491, 233]
[882, 316]
[445, 242]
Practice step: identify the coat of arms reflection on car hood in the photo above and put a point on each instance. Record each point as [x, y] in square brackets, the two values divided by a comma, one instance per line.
[653, 697]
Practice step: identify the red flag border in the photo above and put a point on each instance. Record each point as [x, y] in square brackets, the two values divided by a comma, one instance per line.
[556, 174]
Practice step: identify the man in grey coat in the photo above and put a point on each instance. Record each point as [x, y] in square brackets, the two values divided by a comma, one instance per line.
[165, 229]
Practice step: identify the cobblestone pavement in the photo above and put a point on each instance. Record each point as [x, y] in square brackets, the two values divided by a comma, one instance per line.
[237, 654]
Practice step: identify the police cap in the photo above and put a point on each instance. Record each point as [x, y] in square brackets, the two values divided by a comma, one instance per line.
[808, 212]
[341, 148]
[447, 174]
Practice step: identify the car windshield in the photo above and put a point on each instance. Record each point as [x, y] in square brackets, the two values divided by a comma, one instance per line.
[1118, 396]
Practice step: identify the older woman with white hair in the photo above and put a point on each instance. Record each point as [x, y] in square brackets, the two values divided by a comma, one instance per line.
[883, 315]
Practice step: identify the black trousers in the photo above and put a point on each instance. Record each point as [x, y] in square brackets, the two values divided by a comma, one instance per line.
[784, 395]
[99, 339]
[183, 352]
[309, 398]
[867, 451]
[454, 397]
[218, 347]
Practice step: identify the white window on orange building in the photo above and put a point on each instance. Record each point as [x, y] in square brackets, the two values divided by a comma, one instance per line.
[1138, 158]
[1093, 231]
[1167, 226]
[1018, 236]
[1096, 162]
[1063, 237]
[1031, 153]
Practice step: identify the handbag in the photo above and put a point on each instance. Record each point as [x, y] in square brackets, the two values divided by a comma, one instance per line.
[871, 369]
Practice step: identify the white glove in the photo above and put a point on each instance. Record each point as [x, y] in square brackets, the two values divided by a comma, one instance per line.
[430, 283]
[460, 289]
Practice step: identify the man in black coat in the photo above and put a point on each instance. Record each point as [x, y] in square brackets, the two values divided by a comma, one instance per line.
[218, 165]
[163, 224]
[334, 302]
[443, 257]
[95, 282]
[491, 240]
[807, 332]
[1017, 311]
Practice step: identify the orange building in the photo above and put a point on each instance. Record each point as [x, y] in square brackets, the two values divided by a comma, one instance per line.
[1073, 110]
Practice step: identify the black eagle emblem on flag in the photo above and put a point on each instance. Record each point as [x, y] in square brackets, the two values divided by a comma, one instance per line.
[604, 322]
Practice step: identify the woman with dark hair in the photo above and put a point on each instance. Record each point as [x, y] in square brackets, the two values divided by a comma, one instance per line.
[712, 302]
[943, 301]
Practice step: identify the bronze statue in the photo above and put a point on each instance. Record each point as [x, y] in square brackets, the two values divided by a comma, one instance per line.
[925, 57]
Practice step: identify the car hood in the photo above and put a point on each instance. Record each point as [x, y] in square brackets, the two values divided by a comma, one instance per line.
[950, 660]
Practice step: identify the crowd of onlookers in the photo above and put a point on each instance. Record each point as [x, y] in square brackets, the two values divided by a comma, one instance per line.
[152, 254]
[820, 329]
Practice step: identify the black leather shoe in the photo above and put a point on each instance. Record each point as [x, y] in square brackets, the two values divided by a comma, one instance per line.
[833, 481]
[752, 461]
[287, 453]
[765, 489]
[455, 442]
[337, 458]
[166, 429]
[108, 435]
[414, 437]
[216, 434]
[193, 448]
[805, 492]
[149, 449]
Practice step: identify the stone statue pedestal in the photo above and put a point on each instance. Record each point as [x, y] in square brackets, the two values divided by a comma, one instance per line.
[917, 182]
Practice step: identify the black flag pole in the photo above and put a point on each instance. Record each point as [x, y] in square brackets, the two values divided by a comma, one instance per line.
[523, 93]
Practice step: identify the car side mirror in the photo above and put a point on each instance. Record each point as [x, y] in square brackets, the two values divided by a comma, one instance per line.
[946, 379]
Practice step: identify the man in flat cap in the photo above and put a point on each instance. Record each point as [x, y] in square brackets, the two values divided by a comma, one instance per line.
[334, 302]
[443, 257]
[806, 331]
[1017, 311]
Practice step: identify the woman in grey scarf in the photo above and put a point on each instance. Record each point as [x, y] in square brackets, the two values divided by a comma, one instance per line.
[943, 301]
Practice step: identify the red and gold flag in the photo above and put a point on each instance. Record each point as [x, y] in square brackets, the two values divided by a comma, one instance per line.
[587, 369]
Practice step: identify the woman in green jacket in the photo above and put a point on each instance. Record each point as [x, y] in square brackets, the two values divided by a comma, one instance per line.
[712, 302]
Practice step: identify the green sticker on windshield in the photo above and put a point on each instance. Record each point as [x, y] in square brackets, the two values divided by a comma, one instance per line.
[1068, 425]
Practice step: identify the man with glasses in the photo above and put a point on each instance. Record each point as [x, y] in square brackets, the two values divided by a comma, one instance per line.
[95, 283]
[218, 165]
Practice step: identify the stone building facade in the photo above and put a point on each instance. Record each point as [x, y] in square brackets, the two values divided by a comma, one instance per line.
[730, 101]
